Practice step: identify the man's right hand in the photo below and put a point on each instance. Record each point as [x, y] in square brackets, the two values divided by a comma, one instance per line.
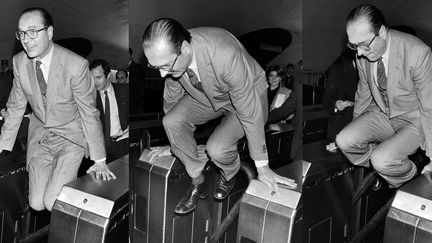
[3, 114]
[427, 168]
[340, 105]
[156, 152]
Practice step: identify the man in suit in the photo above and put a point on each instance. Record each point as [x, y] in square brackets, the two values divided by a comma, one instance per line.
[209, 74]
[113, 103]
[339, 94]
[392, 108]
[6, 77]
[64, 124]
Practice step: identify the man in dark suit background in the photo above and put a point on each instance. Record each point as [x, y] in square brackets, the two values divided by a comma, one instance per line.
[209, 74]
[115, 118]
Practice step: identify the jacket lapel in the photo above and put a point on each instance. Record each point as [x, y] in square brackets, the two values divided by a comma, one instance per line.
[54, 77]
[204, 69]
[35, 86]
[394, 66]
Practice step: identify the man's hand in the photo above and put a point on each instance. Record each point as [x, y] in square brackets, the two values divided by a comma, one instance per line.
[271, 179]
[427, 168]
[102, 171]
[340, 105]
[156, 152]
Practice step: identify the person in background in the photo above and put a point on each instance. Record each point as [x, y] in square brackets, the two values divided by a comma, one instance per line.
[113, 103]
[122, 76]
[339, 94]
[277, 95]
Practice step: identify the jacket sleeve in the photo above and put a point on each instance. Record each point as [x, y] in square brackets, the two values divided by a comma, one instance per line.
[363, 96]
[16, 106]
[84, 93]
[422, 77]
[246, 99]
[173, 91]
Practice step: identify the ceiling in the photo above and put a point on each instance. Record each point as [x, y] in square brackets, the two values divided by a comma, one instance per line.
[103, 22]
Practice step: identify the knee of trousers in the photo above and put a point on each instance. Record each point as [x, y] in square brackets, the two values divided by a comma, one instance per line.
[220, 153]
[36, 203]
[48, 201]
[381, 160]
[345, 141]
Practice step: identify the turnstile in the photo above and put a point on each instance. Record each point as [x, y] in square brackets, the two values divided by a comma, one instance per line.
[13, 195]
[91, 211]
[158, 186]
[268, 217]
[410, 216]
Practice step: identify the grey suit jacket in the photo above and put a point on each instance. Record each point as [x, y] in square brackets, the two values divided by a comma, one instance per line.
[409, 85]
[231, 80]
[70, 104]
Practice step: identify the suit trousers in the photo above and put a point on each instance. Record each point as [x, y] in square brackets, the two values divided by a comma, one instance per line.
[179, 124]
[385, 142]
[54, 164]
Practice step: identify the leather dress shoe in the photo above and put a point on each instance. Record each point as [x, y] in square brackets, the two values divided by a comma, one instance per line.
[189, 202]
[223, 187]
[419, 159]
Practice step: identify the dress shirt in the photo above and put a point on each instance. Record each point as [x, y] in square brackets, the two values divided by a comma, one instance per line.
[116, 130]
[45, 63]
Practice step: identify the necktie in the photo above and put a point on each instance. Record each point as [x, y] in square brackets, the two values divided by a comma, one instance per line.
[381, 75]
[107, 115]
[194, 79]
[40, 78]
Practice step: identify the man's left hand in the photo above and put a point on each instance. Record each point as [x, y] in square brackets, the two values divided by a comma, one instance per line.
[271, 179]
[102, 171]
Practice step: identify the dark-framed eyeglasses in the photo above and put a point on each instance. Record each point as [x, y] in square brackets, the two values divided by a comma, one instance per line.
[31, 33]
[165, 68]
[362, 45]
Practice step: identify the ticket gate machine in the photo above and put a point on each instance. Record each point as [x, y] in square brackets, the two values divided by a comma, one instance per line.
[91, 211]
[410, 216]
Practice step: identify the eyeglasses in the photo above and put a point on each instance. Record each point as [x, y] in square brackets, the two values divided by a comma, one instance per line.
[362, 45]
[165, 68]
[31, 33]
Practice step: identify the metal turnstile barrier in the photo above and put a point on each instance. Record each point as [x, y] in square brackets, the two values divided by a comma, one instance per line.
[410, 216]
[268, 217]
[91, 211]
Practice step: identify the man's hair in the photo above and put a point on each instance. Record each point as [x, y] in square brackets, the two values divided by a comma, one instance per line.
[370, 13]
[122, 70]
[103, 63]
[166, 29]
[277, 68]
[290, 65]
[46, 16]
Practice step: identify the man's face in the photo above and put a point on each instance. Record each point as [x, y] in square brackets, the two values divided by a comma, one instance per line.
[360, 32]
[160, 55]
[40, 46]
[121, 77]
[101, 81]
[290, 70]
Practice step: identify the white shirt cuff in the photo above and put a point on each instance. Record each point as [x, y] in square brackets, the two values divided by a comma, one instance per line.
[261, 163]
[100, 160]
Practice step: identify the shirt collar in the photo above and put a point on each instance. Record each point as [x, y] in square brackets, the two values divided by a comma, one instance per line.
[386, 54]
[108, 88]
[46, 60]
